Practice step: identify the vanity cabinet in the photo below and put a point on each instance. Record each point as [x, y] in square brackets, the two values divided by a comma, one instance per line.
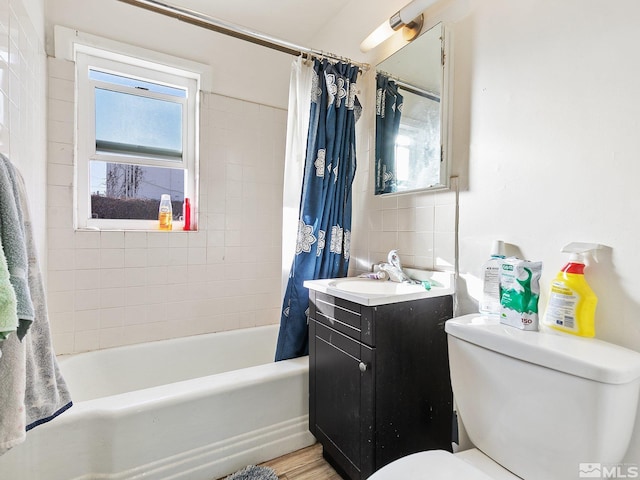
[378, 380]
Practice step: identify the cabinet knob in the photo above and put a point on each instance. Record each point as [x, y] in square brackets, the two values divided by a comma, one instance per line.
[363, 367]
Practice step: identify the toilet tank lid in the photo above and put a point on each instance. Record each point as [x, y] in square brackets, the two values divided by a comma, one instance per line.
[583, 357]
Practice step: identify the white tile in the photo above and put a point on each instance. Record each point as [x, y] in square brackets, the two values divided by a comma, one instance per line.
[112, 258]
[425, 218]
[135, 296]
[197, 256]
[87, 299]
[157, 257]
[135, 276]
[178, 239]
[112, 277]
[60, 175]
[406, 220]
[135, 239]
[60, 238]
[111, 337]
[177, 274]
[61, 89]
[135, 257]
[58, 196]
[135, 315]
[87, 279]
[60, 280]
[390, 220]
[197, 239]
[445, 216]
[63, 343]
[157, 275]
[87, 258]
[158, 239]
[111, 240]
[59, 154]
[177, 256]
[112, 317]
[61, 217]
[87, 320]
[60, 301]
[60, 132]
[59, 68]
[87, 239]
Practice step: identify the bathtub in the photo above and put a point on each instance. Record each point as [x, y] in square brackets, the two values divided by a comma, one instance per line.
[190, 408]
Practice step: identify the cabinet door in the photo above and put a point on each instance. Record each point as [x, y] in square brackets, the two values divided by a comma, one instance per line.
[341, 378]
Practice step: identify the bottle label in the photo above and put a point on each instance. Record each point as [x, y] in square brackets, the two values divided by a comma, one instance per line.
[562, 306]
[490, 301]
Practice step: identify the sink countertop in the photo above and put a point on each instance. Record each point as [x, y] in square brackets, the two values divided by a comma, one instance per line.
[370, 292]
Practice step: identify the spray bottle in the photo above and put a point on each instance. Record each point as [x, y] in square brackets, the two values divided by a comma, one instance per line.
[572, 303]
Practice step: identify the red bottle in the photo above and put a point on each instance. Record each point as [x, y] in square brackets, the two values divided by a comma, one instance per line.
[186, 214]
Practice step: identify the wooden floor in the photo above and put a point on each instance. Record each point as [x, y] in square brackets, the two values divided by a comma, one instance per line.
[305, 464]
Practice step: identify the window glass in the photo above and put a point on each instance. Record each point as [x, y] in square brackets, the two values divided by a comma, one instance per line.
[136, 124]
[125, 191]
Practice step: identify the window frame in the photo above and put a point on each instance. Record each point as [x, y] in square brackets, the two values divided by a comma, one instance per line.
[87, 58]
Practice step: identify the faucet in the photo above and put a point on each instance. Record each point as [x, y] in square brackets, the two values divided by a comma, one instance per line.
[394, 268]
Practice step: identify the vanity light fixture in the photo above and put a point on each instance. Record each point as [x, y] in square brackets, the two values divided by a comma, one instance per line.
[409, 18]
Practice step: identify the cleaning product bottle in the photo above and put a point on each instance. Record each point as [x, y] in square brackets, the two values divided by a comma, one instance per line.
[489, 303]
[165, 213]
[572, 303]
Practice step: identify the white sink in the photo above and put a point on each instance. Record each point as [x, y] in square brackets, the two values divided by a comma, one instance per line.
[366, 286]
[367, 291]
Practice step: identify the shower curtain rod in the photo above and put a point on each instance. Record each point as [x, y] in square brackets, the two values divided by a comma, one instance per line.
[237, 31]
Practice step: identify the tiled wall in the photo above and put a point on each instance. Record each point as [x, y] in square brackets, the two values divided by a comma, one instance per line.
[119, 287]
[421, 226]
[23, 105]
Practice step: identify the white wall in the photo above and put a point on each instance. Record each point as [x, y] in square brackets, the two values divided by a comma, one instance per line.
[22, 100]
[547, 145]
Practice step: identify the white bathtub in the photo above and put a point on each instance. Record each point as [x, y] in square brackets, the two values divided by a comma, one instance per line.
[191, 408]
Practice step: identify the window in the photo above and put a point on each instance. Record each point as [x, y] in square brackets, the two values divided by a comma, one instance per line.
[136, 140]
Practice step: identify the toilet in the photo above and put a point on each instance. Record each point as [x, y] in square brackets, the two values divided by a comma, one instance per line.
[535, 405]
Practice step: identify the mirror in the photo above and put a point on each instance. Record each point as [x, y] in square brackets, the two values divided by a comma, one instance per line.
[410, 146]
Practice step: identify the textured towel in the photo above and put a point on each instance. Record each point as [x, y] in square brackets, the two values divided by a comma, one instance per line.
[32, 391]
[46, 393]
[13, 241]
[8, 308]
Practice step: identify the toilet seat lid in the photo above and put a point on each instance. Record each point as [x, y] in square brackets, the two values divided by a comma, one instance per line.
[429, 465]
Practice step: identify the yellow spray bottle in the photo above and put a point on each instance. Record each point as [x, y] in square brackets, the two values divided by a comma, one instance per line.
[572, 303]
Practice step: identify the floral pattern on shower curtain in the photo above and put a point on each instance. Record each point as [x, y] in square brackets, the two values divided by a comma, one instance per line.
[324, 224]
[388, 112]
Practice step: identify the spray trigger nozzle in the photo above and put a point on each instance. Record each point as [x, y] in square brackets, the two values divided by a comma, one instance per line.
[579, 249]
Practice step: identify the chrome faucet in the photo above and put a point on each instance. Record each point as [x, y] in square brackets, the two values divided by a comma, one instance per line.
[394, 268]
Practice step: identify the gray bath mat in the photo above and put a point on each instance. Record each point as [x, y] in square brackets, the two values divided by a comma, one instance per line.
[254, 473]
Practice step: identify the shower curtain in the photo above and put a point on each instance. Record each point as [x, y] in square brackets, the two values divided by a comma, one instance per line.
[324, 223]
[297, 128]
[388, 113]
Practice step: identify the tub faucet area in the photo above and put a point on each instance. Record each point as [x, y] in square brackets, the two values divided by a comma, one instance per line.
[393, 267]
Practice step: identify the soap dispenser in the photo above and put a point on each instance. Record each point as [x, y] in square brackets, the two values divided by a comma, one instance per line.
[572, 303]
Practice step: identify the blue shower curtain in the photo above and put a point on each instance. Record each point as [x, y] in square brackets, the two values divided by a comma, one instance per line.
[324, 225]
[388, 112]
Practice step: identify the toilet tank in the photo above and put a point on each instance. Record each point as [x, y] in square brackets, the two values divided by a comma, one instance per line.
[540, 404]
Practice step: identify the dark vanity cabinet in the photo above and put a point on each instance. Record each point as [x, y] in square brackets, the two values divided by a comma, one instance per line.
[378, 380]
